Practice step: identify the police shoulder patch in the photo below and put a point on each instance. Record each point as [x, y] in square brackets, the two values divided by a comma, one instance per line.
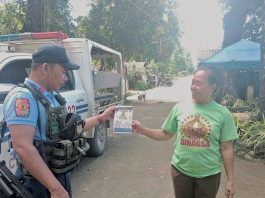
[22, 107]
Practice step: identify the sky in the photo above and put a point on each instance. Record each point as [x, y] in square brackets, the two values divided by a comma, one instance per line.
[202, 25]
[80, 7]
[200, 20]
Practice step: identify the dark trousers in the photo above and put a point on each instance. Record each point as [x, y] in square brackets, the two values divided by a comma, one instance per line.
[39, 191]
[189, 187]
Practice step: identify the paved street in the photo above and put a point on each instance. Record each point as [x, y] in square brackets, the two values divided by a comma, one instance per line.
[138, 167]
[134, 166]
[178, 92]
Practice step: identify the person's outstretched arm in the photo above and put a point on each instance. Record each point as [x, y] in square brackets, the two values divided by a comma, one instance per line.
[91, 122]
[156, 134]
[227, 152]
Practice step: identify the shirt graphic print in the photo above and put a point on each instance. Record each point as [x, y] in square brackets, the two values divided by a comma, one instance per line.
[195, 131]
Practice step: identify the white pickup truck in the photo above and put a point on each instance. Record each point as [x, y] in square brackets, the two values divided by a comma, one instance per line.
[98, 83]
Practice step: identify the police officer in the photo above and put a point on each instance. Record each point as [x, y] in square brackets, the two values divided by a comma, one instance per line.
[28, 120]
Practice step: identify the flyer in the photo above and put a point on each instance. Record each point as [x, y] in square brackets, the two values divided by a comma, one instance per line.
[123, 119]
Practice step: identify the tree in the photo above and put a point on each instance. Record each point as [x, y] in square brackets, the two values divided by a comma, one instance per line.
[36, 16]
[179, 61]
[140, 29]
[234, 20]
[10, 12]
[241, 20]
[58, 17]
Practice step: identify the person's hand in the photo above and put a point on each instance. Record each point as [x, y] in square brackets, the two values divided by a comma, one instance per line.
[229, 189]
[59, 193]
[108, 114]
[137, 126]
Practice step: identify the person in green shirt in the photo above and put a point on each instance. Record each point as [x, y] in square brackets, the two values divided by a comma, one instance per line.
[205, 132]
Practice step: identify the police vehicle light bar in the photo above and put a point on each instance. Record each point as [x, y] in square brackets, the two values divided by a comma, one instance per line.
[35, 35]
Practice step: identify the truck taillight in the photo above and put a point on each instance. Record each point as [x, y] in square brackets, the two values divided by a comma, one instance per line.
[49, 35]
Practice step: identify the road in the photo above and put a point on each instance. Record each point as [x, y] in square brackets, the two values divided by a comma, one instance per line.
[178, 92]
[134, 166]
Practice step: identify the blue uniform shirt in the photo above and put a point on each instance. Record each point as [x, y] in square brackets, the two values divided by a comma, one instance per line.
[21, 108]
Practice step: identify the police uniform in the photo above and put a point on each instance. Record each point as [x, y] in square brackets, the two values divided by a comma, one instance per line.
[21, 108]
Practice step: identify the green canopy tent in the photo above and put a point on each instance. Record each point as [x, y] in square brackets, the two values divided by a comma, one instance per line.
[242, 62]
[244, 54]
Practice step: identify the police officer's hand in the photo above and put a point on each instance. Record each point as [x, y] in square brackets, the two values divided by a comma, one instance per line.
[59, 193]
[108, 114]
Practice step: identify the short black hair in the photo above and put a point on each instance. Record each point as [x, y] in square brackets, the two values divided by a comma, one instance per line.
[35, 65]
[214, 75]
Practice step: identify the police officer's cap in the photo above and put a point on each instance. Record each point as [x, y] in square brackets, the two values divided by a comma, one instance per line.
[50, 53]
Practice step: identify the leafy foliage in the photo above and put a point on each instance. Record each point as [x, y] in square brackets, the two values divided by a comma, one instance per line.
[253, 28]
[251, 126]
[180, 61]
[243, 19]
[136, 81]
[177, 62]
[58, 16]
[252, 134]
[140, 29]
[140, 86]
[36, 16]
[11, 12]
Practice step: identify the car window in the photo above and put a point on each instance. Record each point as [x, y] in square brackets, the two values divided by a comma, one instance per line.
[15, 72]
[4, 90]
[70, 83]
[3, 96]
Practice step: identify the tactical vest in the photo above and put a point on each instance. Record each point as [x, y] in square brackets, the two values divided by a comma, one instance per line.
[64, 146]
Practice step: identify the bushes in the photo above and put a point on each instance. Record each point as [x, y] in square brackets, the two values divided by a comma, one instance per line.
[252, 136]
[135, 80]
[251, 126]
[140, 86]
[251, 131]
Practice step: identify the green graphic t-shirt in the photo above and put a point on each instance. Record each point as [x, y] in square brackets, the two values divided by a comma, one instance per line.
[200, 128]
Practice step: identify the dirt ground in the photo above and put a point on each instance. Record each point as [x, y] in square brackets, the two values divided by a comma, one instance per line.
[134, 166]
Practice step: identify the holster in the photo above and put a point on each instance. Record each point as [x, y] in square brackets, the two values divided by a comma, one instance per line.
[71, 126]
